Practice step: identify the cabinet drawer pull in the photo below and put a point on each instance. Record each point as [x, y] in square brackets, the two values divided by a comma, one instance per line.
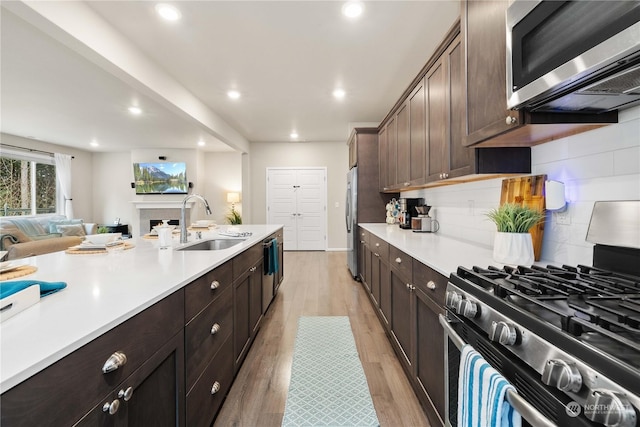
[408, 286]
[252, 269]
[215, 285]
[510, 120]
[431, 285]
[215, 388]
[126, 394]
[406, 184]
[377, 255]
[398, 260]
[215, 328]
[114, 361]
[112, 407]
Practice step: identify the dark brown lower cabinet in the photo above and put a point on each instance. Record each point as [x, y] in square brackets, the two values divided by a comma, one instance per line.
[152, 395]
[429, 357]
[66, 391]
[247, 310]
[401, 317]
[409, 296]
[206, 397]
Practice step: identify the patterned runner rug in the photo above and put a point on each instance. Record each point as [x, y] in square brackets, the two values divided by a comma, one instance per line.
[328, 386]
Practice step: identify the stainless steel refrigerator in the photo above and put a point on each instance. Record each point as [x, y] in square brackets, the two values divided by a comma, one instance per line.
[351, 215]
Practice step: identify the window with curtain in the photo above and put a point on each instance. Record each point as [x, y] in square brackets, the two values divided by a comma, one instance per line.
[28, 184]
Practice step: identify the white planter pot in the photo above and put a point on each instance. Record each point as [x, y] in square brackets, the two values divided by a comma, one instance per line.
[513, 249]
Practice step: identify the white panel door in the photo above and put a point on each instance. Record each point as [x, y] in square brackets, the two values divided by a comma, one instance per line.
[297, 199]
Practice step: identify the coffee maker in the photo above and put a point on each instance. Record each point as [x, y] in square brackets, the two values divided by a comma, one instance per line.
[408, 210]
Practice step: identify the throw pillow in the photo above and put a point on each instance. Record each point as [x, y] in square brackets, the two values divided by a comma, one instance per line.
[54, 223]
[72, 230]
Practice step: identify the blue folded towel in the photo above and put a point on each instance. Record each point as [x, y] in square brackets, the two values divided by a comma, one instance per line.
[482, 394]
[274, 256]
[271, 257]
[46, 288]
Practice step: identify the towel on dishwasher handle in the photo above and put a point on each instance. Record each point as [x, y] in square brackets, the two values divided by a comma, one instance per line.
[46, 288]
[482, 393]
[270, 253]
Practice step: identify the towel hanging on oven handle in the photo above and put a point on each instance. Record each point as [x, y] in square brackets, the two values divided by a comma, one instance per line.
[528, 412]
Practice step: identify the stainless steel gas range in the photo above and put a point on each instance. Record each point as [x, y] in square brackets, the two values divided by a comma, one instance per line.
[567, 338]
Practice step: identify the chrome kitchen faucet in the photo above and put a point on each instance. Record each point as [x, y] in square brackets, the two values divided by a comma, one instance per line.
[183, 220]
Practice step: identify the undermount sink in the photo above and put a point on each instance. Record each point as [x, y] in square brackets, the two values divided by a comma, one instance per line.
[210, 245]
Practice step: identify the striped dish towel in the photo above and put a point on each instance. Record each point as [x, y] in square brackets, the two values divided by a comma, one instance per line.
[482, 394]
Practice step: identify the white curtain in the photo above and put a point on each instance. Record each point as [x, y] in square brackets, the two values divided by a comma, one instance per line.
[63, 172]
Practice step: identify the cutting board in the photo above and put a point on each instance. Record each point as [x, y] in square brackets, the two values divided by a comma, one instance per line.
[527, 191]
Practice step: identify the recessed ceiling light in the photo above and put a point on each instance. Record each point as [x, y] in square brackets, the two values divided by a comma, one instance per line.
[294, 135]
[168, 12]
[201, 143]
[339, 93]
[135, 110]
[352, 9]
[94, 143]
[233, 94]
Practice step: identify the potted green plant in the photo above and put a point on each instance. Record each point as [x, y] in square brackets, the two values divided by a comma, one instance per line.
[512, 244]
[234, 217]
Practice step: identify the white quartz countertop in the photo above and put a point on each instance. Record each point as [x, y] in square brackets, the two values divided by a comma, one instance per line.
[443, 254]
[103, 290]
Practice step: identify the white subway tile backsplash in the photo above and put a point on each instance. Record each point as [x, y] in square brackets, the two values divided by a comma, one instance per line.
[626, 162]
[603, 164]
[550, 152]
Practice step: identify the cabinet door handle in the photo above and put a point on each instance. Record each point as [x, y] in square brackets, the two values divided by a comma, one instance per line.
[215, 328]
[126, 394]
[215, 387]
[114, 361]
[215, 285]
[112, 407]
[377, 245]
[252, 269]
[408, 286]
[376, 255]
[398, 260]
[431, 285]
[406, 184]
[510, 120]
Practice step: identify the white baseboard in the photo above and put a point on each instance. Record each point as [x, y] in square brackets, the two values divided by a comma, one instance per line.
[337, 249]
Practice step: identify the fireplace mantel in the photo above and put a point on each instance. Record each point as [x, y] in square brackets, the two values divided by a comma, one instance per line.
[160, 204]
[167, 209]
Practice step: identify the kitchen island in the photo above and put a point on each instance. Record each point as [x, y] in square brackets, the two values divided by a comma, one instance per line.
[107, 290]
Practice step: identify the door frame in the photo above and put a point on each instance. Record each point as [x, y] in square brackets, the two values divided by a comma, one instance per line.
[326, 179]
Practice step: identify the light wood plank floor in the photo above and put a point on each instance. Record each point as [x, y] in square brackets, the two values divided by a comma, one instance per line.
[317, 284]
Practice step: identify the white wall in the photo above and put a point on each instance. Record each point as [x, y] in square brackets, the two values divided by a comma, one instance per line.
[222, 174]
[603, 164]
[332, 155]
[212, 175]
[81, 171]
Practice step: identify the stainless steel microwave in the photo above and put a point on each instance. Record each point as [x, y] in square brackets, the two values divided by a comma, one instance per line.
[573, 56]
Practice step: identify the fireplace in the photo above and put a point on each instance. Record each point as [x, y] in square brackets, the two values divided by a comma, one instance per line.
[148, 212]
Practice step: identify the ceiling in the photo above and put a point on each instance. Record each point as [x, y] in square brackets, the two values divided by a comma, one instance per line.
[70, 70]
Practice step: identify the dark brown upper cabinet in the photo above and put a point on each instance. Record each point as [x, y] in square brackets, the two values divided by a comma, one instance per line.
[489, 122]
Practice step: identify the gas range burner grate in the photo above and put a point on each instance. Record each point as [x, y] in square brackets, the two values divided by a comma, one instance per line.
[598, 307]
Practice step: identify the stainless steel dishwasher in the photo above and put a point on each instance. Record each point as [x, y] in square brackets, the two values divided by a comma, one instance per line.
[270, 248]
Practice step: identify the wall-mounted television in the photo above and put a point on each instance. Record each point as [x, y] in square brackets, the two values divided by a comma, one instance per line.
[160, 178]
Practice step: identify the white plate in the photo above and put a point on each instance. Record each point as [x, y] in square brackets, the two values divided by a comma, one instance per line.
[8, 266]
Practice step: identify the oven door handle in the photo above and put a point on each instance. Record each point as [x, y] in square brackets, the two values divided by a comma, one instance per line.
[528, 412]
